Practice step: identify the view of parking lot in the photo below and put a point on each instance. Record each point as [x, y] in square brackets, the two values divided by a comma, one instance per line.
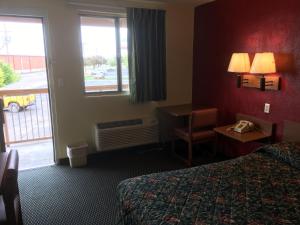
[24, 90]
[27, 118]
[104, 52]
[29, 123]
[104, 79]
[24, 83]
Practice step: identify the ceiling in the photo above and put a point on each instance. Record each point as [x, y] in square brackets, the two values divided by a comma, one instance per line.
[178, 1]
[182, 1]
[195, 2]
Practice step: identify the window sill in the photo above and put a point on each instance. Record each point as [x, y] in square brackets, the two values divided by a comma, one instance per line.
[106, 94]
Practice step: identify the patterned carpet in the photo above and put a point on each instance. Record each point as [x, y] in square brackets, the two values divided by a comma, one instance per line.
[59, 195]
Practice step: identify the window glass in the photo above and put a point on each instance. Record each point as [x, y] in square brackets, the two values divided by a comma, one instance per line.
[124, 53]
[98, 37]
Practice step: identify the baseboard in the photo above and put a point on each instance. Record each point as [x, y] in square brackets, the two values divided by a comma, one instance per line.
[132, 150]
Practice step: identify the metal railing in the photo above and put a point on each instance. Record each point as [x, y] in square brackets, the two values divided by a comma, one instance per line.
[31, 121]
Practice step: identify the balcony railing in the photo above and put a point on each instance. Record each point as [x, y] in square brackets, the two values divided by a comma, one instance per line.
[32, 122]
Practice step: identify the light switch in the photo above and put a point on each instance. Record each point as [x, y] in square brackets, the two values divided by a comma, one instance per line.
[267, 108]
[61, 82]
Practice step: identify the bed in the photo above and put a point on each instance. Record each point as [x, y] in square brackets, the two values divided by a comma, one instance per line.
[260, 188]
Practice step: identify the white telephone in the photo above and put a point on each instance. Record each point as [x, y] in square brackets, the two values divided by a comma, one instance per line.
[244, 126]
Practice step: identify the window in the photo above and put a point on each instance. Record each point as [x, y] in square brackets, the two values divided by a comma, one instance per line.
[105, 56]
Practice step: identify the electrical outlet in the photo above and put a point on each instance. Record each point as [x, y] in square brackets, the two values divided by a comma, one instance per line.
[267, 108]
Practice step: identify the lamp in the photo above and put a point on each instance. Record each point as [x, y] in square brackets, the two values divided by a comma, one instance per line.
[264, 63]
[239, 63]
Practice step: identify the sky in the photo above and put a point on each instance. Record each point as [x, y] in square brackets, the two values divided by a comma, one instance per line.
[95, 43]
[21, 39]
[27, 39]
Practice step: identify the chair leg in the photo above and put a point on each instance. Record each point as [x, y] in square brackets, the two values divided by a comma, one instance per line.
[173, 146]
[190, 154]
[215, 145]
[214, 149]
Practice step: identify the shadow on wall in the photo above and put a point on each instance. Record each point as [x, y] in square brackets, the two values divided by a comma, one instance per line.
[285, 63]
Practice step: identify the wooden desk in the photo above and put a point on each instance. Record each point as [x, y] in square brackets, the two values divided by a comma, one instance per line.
[245, 137]
[171, 117]
[180, 110]
[177, 110]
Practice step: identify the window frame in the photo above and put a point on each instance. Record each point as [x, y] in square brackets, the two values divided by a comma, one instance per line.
[119, 90]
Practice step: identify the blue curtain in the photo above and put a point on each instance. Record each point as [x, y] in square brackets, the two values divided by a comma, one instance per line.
[146, 54]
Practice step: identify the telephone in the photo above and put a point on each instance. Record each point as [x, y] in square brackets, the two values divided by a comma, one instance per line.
[244, 126]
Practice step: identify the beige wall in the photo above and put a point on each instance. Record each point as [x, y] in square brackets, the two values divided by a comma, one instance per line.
[74, 113]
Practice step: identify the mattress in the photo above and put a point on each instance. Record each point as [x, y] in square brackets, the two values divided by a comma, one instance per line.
[260, 188]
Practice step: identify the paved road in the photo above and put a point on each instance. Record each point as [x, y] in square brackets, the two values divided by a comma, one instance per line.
[30, 81]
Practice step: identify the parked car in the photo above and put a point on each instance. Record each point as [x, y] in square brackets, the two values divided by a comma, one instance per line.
[17, 103]
[98, 73]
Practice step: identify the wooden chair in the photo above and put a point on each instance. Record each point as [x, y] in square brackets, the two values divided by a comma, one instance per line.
[200, 130]
[10, 189]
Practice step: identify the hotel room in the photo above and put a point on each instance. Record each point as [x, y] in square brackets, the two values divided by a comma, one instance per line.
[158, 112]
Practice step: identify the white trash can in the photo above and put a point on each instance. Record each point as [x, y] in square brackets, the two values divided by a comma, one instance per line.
[77, 154]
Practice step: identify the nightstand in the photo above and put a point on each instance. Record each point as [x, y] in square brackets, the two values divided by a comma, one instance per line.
[263, 133]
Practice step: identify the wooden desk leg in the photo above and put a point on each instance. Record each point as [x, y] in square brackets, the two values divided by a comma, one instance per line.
[190, 154]
[215, 147]
[219, 146]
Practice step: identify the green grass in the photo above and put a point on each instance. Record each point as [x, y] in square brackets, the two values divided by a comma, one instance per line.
[88, 77]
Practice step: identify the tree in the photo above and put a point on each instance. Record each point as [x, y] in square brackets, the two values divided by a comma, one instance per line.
[9, 75]
[125, 61]
[1, 78]
[95, 61]
[112, 62]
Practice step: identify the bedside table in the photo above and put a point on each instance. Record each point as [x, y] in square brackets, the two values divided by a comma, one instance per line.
[245, 137]
[263, 133]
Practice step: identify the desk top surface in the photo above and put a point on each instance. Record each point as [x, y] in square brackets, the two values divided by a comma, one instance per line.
[180, 110]
[245, 137]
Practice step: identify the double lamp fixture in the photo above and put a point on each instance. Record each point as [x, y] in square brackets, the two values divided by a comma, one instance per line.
[263, 64]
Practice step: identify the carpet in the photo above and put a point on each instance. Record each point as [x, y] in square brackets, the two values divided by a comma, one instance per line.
[60, 195]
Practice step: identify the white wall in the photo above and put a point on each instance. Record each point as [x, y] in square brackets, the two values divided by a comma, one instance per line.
[74, 113]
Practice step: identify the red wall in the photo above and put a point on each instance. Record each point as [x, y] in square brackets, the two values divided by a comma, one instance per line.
[228, 26]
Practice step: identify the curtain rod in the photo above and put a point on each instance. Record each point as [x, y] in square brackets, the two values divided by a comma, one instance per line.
[118, 5]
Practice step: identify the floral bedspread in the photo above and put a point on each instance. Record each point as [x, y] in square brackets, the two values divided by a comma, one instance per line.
[255, 189]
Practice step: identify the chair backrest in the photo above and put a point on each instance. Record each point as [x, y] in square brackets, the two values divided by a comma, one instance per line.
[204, 118]
[10, 189]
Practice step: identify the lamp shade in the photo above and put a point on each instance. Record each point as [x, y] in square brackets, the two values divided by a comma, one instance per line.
[239, 63]
[263, 63]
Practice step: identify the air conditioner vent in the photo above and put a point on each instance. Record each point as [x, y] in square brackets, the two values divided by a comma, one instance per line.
[124, 123]
[123, 134]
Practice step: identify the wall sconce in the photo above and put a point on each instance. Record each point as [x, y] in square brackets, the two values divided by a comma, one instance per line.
[264, 63]
[240, 63]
